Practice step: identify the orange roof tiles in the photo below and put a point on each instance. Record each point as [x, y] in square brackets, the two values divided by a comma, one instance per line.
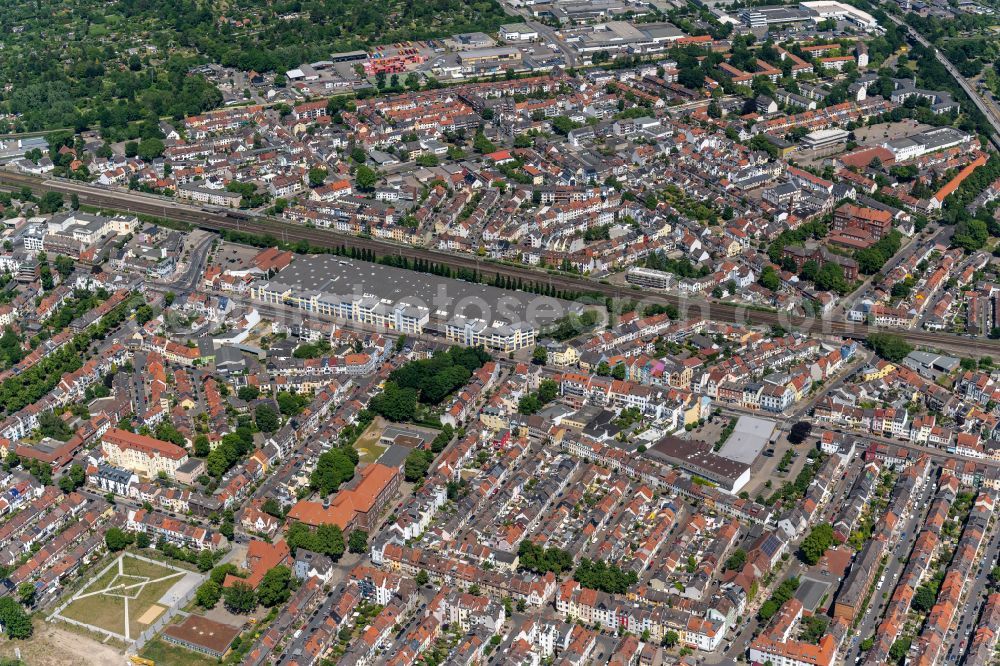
[124, 439]
[955, 182]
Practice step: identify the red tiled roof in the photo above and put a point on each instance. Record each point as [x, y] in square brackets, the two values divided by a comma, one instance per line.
[124, 439]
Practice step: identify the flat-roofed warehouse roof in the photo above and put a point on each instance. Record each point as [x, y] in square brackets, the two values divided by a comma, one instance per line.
[825, 8]
[487, 53]
[697, 458]
[661, 31]
[748, 439]
[444, 297]
[827, 134]
[937, 137]
[783, 14]
[517, 27]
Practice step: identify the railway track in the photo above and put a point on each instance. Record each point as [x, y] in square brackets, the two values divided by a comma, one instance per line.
[241, 222]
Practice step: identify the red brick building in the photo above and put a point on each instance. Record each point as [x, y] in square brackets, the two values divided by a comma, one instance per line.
[357, 507]
[876, 222]
[800, 254]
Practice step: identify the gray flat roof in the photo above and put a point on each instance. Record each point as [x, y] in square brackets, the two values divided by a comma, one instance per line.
[392, 432]
[749, 438]
[444, 297]
[394, 456]
[811, 592]
[696, 457]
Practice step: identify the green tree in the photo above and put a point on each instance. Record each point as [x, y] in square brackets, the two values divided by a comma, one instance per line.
[15, 621]
[483, 145]
[358, 542]
[548, 389]
[50, 202]
[202, 447]
[442, 439]
[889, 346]
[900, 647]
[143, 314]
[291, 404]
[923, 598]
[831, 278]
[26, 593]
[73, 479]
[317, 176]
[814, 546]
[421, 578]
[116, 539]
[52, 425]
[205, 560]
[240, 598]
[217, 463]
[528, 404]
[395, 403]
[602, 576]
[275, 588]
[64, 265]
[813, 628]
[248, 393]
[150, 149]
[769, 279]
[736, 561]
[809, 270]
[781, 594]
[534, 558]
[333, 468]
[970, 234]
[417, 463]
[272, 507]
[330, 541]
[540, 355]
[266, 418]
[208, 594]
[563, 125]
[219, 573]
[365, 178]
[799, 431]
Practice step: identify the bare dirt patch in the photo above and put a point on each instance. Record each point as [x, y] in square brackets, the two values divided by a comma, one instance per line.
[54, 646]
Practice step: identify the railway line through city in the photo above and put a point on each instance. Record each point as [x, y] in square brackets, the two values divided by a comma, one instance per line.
[238, 221]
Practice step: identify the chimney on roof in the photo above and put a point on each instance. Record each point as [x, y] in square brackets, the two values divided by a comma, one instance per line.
[326, 502]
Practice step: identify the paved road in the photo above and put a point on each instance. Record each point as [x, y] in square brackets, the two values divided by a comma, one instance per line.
[968, 612]
[987, 109]
[911, 245]
[547, 34]
[188, 280]
[936, 454]
[285, 231]
[893, 569]
[738, 642]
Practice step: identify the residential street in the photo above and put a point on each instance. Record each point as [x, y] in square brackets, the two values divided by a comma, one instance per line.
[893, 568]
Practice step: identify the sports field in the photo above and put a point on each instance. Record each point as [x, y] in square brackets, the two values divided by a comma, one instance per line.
[124, 597]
